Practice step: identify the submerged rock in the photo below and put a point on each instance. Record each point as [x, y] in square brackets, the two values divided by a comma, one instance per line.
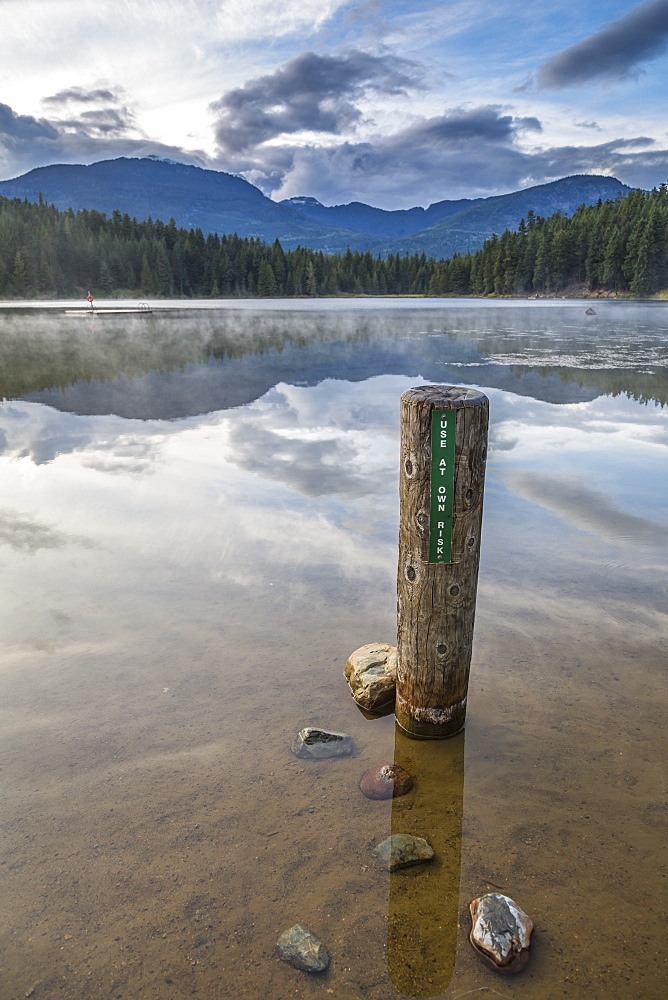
[590, 312]
[319, 743]
[371, 672]
[386, 782]
[500, 932]
[402, 850]
[301, 949]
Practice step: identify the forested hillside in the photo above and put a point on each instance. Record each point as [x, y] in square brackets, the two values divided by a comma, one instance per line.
[617, 246]
[45, 252]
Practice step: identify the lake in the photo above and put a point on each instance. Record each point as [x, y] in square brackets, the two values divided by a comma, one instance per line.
[198, 525]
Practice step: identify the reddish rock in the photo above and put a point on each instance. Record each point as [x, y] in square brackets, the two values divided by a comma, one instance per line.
[386, 782]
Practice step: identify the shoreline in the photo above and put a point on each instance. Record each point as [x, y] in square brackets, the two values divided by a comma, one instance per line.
[163, 304]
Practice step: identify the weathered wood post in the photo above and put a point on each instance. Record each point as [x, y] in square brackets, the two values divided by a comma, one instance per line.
[442, 475]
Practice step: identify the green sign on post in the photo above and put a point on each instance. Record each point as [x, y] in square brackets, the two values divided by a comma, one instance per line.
[443, 427]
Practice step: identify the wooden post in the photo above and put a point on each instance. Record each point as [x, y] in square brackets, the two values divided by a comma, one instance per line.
[442, 476]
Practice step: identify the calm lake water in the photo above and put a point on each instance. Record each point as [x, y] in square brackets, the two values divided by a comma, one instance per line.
[198, 524]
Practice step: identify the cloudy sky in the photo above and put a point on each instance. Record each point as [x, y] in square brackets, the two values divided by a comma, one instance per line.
[391, 102]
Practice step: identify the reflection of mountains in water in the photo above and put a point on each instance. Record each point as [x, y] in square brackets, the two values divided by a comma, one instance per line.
[187, 363]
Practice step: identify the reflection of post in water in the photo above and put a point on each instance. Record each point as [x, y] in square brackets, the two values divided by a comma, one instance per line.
[424, 900]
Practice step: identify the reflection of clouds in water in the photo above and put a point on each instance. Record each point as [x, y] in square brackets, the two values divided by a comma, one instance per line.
[530, 425]
[294, 496]
[22, 533]
[39, 432]
[586, 509]
[125, 454]
[545, 614]
[311, 467]
[322, 440]
[304, 545]
[42, 434]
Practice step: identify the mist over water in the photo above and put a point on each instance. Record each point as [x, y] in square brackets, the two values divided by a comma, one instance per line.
[198, 524]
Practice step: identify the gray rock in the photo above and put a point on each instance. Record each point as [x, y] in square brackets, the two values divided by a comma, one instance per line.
[301, 949]
[500, 932]
[403, 849]
[321, 743]
[371, 672]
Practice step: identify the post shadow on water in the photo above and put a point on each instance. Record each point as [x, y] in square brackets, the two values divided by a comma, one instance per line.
[424, 900]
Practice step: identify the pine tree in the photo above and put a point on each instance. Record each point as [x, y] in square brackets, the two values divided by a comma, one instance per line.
[266, 282]
[147, 278]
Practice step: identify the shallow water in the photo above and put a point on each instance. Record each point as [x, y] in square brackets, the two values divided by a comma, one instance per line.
[198, 524]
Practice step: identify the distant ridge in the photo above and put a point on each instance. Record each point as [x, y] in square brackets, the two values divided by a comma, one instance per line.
[214, 201]
[469, 228]
[195, 198]
[378, 221]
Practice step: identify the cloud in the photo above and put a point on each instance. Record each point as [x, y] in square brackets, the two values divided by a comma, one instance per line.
[79, 95]
[477, 149]
[103, 122]
[113, 118]
[24, 128]
[464, 147]
[614, 52]
[94, 134]
[311, 93]
[590, 125]
[242, 19]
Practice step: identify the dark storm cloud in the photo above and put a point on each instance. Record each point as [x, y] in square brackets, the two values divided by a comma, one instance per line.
[112, 116]
[79, 95]
[312, 92]
[468, 147]
[452, 155]
[102, 122]
[23, 128]
[612, 52]
[634, 161]
[486, 124]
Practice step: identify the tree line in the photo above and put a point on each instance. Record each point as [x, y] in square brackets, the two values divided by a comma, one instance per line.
[48, 252]
[613, 246]
[618, 246]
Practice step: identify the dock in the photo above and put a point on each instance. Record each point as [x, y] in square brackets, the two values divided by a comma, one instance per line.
[107, 312]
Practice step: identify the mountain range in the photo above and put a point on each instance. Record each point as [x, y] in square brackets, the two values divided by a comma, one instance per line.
[214, 201]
